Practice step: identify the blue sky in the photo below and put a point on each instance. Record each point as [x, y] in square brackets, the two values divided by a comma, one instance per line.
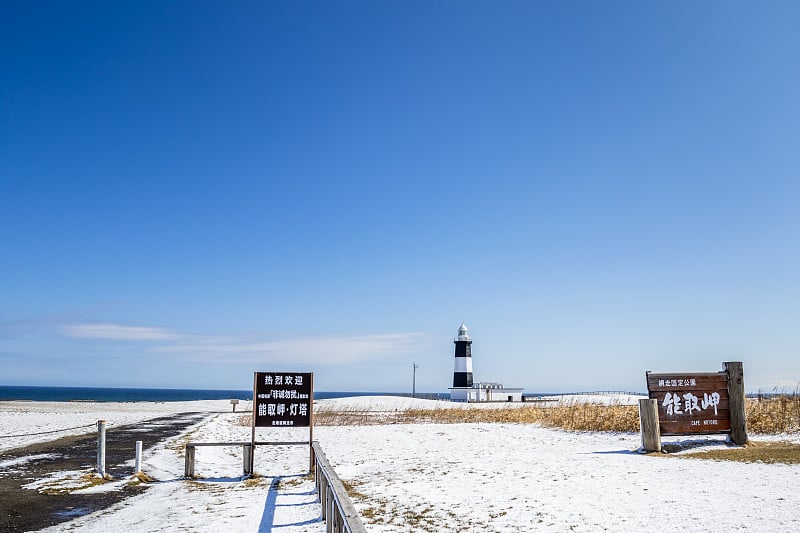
[193, 191]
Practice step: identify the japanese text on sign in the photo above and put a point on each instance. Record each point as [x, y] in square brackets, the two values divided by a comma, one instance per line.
[691, 402]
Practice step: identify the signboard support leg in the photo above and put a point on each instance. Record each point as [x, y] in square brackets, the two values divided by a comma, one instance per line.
[253, 426]
[736, 398]
[311, 427]
[310, 450]
[648, 422]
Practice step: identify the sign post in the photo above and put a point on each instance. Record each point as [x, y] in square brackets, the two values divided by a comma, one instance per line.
[648, 422]
[282, 399]
[736, 397]
[701, 403]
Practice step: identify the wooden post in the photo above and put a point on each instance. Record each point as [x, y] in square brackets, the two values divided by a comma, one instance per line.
[736, 398]
[137, 465]
[188, 467]
[253, 428]
[321, 493]
[247, 451]
[311, 445]
[648, 422]
[101, 448]
[311, 428]
[330, 505]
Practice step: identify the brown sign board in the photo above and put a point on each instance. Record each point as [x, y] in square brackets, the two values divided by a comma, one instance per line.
[283, 399]
[691, 403]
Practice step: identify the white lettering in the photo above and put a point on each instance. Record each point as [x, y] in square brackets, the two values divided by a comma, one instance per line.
[711, 400]
[673, 404]
[691, 402]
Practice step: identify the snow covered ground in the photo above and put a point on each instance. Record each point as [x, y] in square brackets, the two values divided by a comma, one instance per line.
[422, 477]
[33, 420]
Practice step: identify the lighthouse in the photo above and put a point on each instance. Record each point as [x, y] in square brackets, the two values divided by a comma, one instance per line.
[462, 372]
[463, 389]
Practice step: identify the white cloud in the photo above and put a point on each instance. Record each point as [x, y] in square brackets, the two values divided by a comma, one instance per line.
[319, 350]
[329, 350]
[119, 332]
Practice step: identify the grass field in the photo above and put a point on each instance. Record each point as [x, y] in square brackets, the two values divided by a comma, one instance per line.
[780, 414]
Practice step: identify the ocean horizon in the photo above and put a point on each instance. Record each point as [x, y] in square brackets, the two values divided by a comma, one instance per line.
[130, 394]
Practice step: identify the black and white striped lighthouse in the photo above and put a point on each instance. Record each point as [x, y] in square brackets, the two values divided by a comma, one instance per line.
[462, 373]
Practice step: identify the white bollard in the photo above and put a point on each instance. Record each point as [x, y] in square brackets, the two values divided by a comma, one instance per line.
[101, 448]
[137, 465]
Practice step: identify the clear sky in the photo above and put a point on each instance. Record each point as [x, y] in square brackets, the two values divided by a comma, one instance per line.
[191, 191]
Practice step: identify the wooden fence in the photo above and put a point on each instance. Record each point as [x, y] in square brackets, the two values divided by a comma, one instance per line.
[337, 509]
[188, 467]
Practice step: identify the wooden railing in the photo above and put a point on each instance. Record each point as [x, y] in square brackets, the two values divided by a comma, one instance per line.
[247, 451]
[337, 508]
[188, 467]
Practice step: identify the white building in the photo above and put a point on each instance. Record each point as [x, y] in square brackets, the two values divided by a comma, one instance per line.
[485, 392]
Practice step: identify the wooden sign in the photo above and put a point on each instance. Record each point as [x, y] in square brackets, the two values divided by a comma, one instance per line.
[283, 399]
[691, 403]
[694, 404]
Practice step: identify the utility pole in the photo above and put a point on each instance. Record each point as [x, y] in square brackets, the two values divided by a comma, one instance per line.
[414, 382]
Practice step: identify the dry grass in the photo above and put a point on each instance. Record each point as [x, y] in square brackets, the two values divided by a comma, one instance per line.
[85, 481]
[779, 414]
[754, 452]
[360, 417]
[256, 480]
[776, 414]
[579, 417]
[144, 478]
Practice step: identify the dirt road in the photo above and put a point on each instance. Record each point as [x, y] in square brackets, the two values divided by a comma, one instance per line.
[24, 509]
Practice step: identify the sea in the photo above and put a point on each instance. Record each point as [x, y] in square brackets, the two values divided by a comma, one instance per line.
[102, 394]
